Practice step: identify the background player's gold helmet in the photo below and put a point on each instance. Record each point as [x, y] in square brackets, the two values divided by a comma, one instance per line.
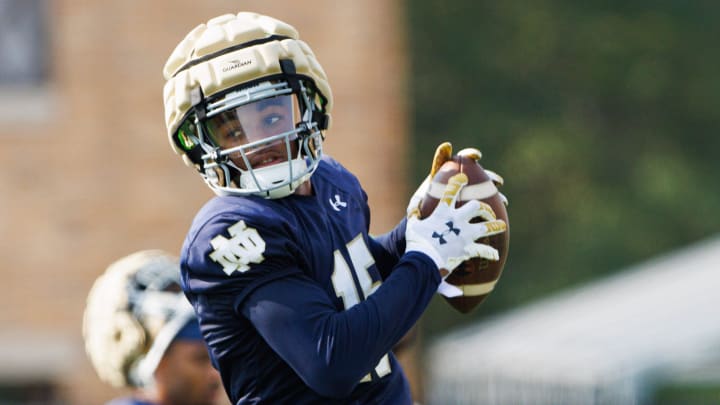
[234, 62]
[134, 311]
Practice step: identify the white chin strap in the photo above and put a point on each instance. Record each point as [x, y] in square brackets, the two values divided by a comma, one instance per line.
[267, 179]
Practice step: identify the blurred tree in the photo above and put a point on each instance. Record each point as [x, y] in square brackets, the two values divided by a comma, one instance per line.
[601, 115]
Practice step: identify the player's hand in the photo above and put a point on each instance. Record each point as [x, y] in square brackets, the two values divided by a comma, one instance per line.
[447, 236]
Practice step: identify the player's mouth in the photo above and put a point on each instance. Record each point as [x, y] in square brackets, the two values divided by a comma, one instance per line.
[268, 155]
[267, 159]
[267, 162]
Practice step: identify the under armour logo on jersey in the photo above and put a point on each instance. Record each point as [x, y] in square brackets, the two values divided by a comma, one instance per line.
[244, 247]
[441, 236]
[337, 204]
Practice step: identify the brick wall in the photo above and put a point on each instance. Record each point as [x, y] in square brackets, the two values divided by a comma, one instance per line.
[91, 177]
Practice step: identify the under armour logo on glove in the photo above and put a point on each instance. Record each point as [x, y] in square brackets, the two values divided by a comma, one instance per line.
[441, 236]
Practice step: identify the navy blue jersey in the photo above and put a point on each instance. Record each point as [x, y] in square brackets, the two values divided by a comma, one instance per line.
[297, 303]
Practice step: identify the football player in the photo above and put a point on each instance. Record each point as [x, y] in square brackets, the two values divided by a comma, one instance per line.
[296, 301]
[140, 332]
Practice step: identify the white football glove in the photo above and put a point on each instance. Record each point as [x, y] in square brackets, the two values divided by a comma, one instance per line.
[447, 236]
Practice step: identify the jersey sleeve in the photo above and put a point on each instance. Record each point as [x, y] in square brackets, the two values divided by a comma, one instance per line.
[387, 249]
[232, 253]
[332, 350]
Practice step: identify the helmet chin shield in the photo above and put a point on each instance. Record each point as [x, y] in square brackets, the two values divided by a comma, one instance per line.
[274, 178]
[260, 140]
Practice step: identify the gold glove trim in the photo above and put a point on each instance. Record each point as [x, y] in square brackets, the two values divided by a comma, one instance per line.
[453, 188]
[443, 153]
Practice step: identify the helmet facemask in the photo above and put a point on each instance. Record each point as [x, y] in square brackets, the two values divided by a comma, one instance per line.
[262, 139]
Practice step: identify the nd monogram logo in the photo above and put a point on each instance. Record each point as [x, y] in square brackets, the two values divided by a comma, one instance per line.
[441, 236]
[245, 247]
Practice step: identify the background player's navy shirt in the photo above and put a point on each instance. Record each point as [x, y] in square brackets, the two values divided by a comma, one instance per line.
[288, 295]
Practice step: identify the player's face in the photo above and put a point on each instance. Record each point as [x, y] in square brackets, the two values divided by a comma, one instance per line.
[252, 123]
[185, 376]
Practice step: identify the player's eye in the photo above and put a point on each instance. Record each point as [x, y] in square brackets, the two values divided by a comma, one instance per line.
[230, 135]
[271, 119]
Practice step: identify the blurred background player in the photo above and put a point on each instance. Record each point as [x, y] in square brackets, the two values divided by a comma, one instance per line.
[297, 302]
[140, 332]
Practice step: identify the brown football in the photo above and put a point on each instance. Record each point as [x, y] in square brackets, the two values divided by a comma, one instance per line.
[476, 277]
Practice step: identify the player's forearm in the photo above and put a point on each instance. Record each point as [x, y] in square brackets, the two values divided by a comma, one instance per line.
[356, 340]
[332, 351]
[400, 301]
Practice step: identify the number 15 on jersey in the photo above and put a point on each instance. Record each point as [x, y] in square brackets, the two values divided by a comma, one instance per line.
[347, 290]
